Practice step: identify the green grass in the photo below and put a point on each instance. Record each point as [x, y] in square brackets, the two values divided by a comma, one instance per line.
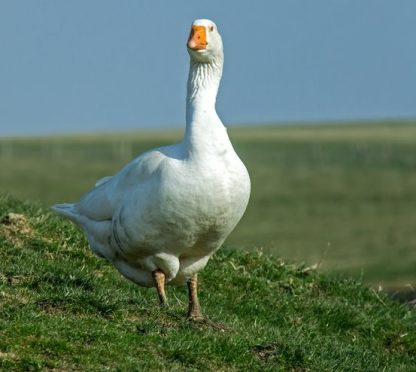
[61, 308]
[341, 196]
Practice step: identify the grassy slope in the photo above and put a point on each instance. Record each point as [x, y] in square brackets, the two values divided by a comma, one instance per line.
[342, 195]
[61, 307]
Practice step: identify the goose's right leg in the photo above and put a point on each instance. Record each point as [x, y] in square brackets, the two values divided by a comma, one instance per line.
[194, 309]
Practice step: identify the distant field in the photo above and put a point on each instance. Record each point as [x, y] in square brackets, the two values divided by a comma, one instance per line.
[341, 196]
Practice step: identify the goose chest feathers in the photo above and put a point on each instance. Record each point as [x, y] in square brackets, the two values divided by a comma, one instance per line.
[161, 217]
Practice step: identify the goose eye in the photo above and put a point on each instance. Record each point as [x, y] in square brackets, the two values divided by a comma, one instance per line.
[211, 28]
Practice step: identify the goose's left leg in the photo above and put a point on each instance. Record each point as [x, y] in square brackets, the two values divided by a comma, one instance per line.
[159, 278]
[194, 309]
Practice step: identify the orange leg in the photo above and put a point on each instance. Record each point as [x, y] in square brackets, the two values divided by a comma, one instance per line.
[159, 278]
[194, 309]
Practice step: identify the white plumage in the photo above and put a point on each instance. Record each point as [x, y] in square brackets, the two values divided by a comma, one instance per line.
[168, 210]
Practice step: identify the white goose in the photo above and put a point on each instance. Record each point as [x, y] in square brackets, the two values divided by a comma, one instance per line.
[161, 217]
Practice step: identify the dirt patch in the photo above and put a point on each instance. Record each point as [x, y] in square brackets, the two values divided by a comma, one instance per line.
[209, 324]
[15, 227]
[266, 352]
[50, 307]
[13, 298]
[403, 295]
[7, 355]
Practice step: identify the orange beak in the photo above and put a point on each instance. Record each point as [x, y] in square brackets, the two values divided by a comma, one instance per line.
[197, 38]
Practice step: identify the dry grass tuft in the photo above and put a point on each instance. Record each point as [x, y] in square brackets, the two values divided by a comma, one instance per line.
[16, 227]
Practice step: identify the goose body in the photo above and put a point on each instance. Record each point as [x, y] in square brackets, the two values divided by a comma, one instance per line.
[171, 208]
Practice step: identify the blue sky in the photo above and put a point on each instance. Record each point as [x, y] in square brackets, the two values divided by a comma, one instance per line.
[97, 65]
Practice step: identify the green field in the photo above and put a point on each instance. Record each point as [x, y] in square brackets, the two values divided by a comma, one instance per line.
[63, 309]
[339, 196]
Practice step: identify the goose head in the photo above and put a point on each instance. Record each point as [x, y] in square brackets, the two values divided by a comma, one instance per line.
[204, 42]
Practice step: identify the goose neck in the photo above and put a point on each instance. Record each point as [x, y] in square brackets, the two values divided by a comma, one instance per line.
[203, 126]
[203, 83]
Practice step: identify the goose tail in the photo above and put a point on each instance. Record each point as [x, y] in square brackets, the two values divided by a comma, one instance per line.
[67, 210]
